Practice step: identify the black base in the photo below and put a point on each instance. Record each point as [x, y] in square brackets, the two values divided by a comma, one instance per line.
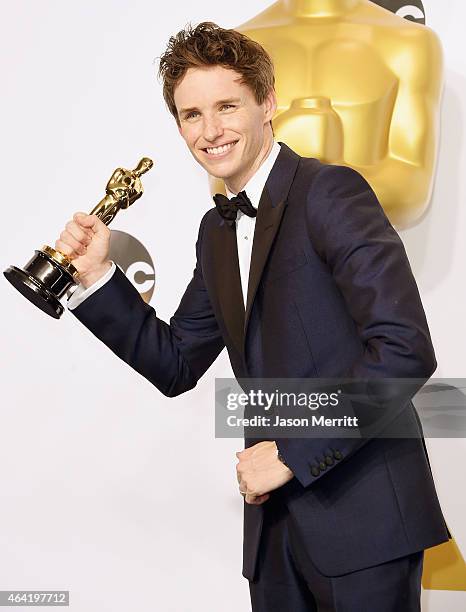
[43, 280]
[38, 294]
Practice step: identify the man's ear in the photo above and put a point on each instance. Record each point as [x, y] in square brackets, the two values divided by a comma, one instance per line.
[270, 106]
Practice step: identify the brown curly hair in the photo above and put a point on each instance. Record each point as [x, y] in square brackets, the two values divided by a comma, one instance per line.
[208, 44]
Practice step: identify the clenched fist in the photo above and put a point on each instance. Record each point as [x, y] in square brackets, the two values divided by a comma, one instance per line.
[259, 471]
[86, 241]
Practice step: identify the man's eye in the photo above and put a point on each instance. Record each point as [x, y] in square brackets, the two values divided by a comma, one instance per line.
[227, 106]
[191, 115]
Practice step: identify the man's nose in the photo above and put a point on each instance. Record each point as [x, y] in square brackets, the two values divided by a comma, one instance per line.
[212, 128]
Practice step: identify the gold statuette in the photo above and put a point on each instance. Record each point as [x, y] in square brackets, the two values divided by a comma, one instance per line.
[49, 273]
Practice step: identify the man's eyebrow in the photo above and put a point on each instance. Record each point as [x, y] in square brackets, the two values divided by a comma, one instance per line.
[229, 101]
[218, 103]
[182, 111]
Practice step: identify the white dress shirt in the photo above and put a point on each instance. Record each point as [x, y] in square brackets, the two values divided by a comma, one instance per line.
[244, 233]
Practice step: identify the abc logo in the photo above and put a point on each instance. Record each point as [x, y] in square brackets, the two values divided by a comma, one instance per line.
[414, 10]
[135, 261]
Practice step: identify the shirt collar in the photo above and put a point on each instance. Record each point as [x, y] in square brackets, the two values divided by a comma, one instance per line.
[255, 186]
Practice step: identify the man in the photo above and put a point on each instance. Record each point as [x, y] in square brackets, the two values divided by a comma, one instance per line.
[324, 291]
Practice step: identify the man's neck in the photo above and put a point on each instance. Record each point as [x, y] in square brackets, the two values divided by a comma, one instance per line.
[238, 183]
[320, 8]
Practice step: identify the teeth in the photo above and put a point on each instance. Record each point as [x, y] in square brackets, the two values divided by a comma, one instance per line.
[218, 150]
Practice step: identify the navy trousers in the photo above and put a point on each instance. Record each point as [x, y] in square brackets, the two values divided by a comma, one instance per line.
[286, 580]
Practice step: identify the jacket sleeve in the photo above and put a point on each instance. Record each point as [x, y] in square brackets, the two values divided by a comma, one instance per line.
[351, 233]
[171, 356]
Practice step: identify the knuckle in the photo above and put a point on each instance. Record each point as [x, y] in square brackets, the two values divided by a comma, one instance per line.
[62, 246]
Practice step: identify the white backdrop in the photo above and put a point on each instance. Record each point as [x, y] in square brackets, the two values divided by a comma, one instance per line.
[108, 489]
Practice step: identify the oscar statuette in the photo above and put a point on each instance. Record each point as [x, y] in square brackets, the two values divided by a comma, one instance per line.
[49, 273]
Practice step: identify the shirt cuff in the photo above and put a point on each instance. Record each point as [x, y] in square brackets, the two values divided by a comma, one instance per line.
[80, 293]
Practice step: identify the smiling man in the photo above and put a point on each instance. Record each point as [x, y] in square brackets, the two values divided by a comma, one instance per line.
[300, 275]
[225, 131]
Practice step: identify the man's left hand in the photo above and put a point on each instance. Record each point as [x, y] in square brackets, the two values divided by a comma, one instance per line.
[259, 471]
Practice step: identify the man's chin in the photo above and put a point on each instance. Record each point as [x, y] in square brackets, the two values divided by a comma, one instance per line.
[220, 169]
[219, 173]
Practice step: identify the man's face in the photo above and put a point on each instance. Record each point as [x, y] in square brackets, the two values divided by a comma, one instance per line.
[222, 124]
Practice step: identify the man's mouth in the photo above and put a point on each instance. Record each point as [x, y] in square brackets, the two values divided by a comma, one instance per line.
[221, 150]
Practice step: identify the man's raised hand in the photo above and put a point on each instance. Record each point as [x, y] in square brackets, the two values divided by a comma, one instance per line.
[86, 241]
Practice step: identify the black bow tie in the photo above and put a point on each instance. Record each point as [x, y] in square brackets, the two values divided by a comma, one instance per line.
[228, 208]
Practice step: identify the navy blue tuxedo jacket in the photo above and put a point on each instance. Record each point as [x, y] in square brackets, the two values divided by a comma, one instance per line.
[331, 294]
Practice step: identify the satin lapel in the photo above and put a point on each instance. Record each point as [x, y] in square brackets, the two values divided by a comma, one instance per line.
[269, 214]
[267, 223]
[228, 281]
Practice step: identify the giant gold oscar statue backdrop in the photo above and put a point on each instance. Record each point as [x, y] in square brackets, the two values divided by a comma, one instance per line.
[360, 85]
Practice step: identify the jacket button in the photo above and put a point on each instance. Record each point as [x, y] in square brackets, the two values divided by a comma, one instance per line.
[337, 455]
[322, 466]
[315, 470]
[329, 460]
